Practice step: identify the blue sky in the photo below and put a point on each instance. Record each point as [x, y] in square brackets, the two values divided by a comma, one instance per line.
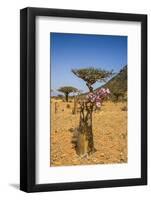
[69, 51]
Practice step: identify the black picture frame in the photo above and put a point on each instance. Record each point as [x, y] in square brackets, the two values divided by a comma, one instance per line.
[28, 99]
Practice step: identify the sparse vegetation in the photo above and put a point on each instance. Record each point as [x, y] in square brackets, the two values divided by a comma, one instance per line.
[85, 136]
[109, 135]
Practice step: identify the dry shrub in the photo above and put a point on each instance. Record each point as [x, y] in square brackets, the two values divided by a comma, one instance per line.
[68, 106]
[124, 108]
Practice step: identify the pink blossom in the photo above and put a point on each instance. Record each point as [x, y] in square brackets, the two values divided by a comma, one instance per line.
[98, 104]
[98, 96]
[108, 91]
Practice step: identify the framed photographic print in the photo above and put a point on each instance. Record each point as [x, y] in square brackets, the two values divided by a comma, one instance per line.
[83, 99]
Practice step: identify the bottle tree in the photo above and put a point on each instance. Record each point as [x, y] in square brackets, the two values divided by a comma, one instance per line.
[66, 90]
[90, 75]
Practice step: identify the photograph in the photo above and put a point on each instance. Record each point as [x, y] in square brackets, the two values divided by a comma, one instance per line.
[83, 99]
[88, 99]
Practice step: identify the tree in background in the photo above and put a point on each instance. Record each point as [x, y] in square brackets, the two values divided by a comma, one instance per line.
[90, 75]
[66, 90]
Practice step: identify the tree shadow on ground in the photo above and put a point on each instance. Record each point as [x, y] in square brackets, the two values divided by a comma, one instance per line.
[74, 139]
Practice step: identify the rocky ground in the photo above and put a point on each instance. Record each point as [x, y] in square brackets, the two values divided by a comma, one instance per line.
[109, 129]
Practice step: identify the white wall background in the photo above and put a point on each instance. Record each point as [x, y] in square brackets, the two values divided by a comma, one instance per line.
[9, 98]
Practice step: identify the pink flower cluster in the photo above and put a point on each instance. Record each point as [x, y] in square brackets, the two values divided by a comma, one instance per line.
[98, 96]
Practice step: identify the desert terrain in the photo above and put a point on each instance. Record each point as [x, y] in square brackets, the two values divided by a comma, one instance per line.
[109, 132]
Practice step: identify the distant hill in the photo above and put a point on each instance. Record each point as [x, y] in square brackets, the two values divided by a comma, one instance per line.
[118, 85]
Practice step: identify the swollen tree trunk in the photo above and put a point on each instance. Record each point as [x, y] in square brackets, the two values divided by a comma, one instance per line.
[85, 144]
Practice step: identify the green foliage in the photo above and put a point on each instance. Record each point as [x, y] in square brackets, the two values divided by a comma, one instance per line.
[91, 75]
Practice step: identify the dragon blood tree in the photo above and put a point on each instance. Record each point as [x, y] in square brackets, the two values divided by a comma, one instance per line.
[66, 90]
[85, 144]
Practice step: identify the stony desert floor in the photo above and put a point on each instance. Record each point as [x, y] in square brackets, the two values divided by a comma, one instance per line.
[109, 132]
